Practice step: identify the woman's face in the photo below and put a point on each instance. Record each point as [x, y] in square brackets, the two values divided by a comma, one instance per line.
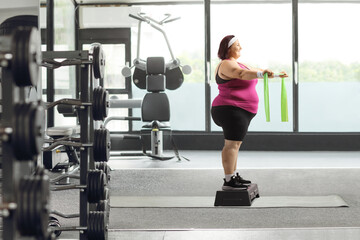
[234, 50]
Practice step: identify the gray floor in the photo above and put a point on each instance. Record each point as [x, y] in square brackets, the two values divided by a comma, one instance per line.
[277, 173]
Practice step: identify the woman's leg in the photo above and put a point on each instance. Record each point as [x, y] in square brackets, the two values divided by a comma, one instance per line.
[235, 165]
[229, 155]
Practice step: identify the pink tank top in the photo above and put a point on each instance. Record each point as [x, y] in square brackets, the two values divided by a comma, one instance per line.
[239, 93]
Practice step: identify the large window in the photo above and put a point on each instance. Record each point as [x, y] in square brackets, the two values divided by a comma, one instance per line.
[264, 32]
[64, 40]
[329, 71]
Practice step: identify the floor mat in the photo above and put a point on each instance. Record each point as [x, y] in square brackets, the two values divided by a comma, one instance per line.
[207, 202]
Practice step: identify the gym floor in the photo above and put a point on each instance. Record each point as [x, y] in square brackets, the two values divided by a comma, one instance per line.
[276, 173]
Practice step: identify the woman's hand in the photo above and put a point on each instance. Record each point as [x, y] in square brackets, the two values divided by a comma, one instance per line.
[269, 72]
[283, 74]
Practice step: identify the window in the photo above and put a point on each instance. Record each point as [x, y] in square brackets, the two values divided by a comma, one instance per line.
[264, 32]
[329, 67]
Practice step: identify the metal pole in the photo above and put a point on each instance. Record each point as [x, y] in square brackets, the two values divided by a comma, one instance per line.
[207, 66]
[84, 119]
[50, 89]
[295, 65]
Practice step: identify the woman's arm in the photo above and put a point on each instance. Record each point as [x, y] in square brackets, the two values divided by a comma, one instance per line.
[231, 70]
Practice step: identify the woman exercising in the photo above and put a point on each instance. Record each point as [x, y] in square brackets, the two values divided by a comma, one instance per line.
[235, 106]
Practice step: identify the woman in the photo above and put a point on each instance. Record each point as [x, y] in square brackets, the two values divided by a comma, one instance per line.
[235, 106]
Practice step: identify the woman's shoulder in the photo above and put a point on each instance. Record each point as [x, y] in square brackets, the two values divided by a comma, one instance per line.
[229, 62]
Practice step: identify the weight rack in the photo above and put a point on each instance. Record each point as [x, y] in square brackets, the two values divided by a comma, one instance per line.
[85, 116]
[24, 192]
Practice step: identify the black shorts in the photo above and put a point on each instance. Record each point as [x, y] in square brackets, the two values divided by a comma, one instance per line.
[233, 120]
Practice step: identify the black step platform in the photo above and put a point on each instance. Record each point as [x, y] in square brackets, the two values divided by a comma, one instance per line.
[243, 197]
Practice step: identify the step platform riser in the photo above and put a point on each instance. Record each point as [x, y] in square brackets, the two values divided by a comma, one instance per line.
[243, 197]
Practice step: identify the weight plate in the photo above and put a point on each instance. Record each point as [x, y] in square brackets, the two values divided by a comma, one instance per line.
[139, 78]
[102, 145]
[92, 186]
[100, 104]
[105, 104]
[103, 166]
[174, 78]
[42, 203]
[37, 125]
[20, 217]
[102, 183]
[107, 145]
[96, 145]
[98, 61]
[27, 55]
[97, 226]
[95, 109]
[28, 133]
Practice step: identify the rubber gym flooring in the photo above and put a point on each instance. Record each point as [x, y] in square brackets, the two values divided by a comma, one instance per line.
[276, 173]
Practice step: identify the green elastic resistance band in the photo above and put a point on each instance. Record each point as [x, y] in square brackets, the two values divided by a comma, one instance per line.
[266, 97]
[284, 105]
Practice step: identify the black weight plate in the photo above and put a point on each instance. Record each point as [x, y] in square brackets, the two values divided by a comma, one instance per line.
[42, 204]
[96, 145]
[103, 145]
[21, 216]
[97, 229]
[107, 144]
[35, 56]
[90, 186]
[26, 129]
[103, 166]
[38, 207]
[16, 136]
[91, 231]
[107, 194]
[18, 58]
[29, 211]
[98, 61]
[12, 23]
[96, 186]
[93, 186]
[139, 78]
[27, 54]
[37, 123]
[102, 184]
[21, 142]
[101, 206]
[174, 78]
[105, 104]
[95, 104]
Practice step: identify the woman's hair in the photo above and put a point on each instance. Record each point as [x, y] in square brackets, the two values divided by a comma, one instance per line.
[223, 48]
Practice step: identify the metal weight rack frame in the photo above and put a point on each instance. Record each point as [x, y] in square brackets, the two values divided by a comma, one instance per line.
[85, 116]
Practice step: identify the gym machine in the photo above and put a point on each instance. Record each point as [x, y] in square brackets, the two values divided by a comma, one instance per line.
[155, 76]
[25, 192]
[92, 106]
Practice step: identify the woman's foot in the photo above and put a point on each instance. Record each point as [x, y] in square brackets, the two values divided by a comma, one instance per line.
[241, 180]
[233, 184]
